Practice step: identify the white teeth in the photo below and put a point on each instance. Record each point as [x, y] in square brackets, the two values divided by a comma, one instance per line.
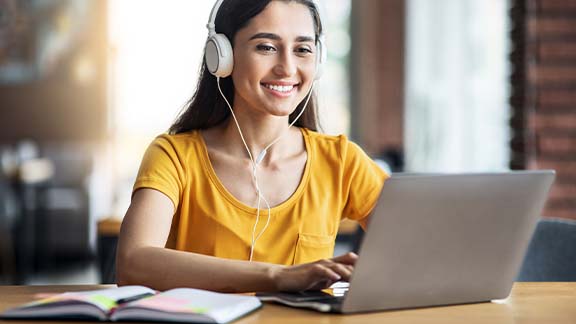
[279, 88]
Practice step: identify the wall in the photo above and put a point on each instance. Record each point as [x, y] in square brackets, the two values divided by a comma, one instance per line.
[67, 101]
[377, 58]
[544, 98]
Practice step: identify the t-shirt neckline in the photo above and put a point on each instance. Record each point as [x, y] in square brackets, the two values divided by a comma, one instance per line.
[207, 164]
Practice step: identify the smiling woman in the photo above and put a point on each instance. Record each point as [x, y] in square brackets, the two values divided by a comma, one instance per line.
[194, 219]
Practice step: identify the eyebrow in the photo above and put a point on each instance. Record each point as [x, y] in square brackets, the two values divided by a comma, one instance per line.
[276, 37]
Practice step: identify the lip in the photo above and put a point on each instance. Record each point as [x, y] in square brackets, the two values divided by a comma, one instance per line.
[280, 83]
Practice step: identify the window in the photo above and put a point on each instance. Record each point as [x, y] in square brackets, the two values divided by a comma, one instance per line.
[457, 89]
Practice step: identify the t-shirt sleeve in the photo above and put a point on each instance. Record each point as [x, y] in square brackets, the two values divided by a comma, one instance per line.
[363, 180]
[161, 169]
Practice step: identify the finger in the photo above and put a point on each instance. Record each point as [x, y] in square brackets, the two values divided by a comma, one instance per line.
[325, 272]
[349, 267]
[342, 270]
[330, 262]
[348, 258]
[322, 284]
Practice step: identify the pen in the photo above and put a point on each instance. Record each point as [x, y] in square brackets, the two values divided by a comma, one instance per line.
[133, 298]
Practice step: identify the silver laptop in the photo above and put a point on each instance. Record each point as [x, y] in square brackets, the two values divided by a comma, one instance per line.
[439, 240]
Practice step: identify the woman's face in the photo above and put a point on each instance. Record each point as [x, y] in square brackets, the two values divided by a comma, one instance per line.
[274, 59]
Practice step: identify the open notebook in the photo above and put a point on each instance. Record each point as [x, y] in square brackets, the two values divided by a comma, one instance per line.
[138, 303]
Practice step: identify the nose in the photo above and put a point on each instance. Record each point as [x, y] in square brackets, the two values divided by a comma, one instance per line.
[286, 65]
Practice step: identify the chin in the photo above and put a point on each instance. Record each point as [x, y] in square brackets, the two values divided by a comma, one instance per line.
[281, 109]
[281, 112]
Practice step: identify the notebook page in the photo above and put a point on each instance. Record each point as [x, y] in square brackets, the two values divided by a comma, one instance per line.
[180, 301]
[104, 299]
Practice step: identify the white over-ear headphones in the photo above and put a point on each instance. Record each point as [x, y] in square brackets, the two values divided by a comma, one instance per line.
[218, 51]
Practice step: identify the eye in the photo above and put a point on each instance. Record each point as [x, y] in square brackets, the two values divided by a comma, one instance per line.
[304, 50]
[265, 48]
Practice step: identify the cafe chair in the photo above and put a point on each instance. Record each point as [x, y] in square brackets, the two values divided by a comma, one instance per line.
[8, 215]
[551, 254]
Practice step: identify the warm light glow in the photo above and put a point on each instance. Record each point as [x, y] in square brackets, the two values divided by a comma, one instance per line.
[84, 69]
[157, 51]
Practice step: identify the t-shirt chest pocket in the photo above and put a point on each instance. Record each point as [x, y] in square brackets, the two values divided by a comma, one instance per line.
[313, 247]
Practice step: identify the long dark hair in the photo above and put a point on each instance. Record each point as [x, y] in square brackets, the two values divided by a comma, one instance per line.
[207, 108]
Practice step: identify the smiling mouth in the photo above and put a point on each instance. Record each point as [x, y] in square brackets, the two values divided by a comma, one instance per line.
[280, 88]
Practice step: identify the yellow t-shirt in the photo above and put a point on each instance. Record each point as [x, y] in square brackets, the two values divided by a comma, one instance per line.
[339, 181]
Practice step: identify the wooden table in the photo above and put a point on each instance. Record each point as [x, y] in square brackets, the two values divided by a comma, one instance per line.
[529, 303]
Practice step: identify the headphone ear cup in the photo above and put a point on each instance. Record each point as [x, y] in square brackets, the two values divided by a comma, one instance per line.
[321, 56]
[219, 56]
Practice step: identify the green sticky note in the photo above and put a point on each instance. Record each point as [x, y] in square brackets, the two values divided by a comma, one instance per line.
[199, 310]
[103, 301]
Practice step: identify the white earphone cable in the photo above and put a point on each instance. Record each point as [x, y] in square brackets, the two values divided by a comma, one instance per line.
[235, 120]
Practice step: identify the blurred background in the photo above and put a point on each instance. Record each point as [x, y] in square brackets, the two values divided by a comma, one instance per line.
[422, 86]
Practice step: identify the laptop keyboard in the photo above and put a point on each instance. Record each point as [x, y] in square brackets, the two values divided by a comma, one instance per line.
[339, 290]
[311, 296]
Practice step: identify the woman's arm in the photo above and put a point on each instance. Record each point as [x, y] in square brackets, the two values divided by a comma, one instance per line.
[142, 258]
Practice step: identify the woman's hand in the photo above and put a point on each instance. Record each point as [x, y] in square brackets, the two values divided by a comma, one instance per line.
[316, 275]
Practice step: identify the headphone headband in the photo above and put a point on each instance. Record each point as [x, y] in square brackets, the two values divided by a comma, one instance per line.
[211, 25]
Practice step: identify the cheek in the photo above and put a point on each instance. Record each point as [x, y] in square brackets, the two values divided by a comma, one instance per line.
[241, 79]
[246, 73]
[309, 69]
